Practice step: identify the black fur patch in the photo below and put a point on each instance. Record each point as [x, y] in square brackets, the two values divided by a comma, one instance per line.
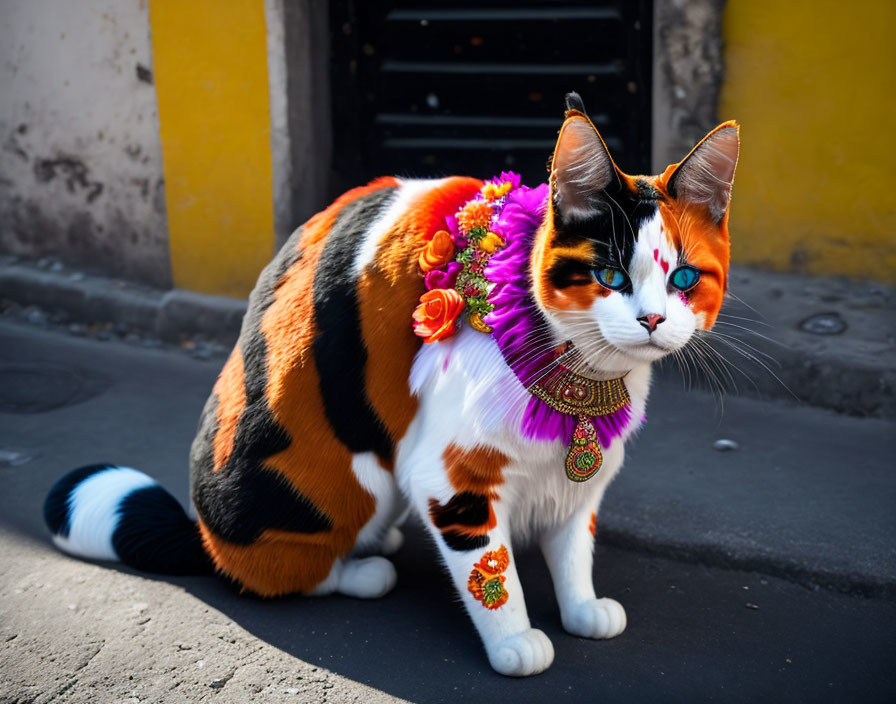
[245, 498]
[56, 514]
[461, 542]
[570, 272]
[464, 509]
[574, 102]
[154, 534]
[613, 227]
[338, 347]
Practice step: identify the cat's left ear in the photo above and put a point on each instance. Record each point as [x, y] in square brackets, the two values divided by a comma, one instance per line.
[705, 176]
[581, 167]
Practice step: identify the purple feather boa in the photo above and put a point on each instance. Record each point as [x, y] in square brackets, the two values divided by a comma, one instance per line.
[518, 326]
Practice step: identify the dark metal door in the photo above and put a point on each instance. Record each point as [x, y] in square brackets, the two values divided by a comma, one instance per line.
[459, 87]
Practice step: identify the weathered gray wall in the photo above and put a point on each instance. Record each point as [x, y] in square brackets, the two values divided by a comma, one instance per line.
[307, 47]
[80, 159]
[688, 71]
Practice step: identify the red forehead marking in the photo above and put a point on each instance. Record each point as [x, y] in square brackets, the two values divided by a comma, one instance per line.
[662, 262]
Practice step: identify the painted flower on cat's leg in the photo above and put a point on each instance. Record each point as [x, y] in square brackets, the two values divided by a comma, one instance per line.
[486, 582]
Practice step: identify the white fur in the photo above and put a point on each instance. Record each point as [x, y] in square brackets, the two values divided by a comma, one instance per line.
[362, 578]
[93, 512]
[408, 191]
[389, 504]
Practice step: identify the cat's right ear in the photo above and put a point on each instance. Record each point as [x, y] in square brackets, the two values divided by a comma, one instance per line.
[581, 168]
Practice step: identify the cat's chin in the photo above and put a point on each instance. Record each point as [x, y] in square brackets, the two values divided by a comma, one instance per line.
[647, 352]
[617, 359]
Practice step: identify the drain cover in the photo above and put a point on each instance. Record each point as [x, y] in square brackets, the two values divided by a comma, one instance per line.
[32, 388]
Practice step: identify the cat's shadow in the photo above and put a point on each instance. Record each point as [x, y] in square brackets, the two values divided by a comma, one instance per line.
[417, 642]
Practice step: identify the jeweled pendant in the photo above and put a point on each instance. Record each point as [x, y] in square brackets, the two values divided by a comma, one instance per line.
[584, 457]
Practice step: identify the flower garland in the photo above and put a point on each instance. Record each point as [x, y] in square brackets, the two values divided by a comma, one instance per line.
[479, 266]
[454, 262]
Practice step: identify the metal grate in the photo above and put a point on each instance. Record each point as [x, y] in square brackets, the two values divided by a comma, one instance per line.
[436, 88]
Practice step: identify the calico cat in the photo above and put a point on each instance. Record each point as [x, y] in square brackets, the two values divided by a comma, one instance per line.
[478, 351]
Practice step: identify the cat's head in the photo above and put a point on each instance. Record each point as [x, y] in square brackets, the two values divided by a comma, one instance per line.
[629, 267]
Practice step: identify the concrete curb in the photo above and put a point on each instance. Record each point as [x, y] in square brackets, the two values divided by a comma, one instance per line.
[168, 315]
[853, 371]
[831, 341]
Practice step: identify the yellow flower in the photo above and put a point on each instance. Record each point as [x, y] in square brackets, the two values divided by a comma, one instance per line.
[491, 242]
[477, 323]
[493, 191]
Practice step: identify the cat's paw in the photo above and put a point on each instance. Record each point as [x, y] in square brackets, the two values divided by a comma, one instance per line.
[595, 618]
[526, 653]
[392, 541]
[367, 578]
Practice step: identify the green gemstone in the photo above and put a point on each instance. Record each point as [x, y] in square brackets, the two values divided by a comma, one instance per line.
[585, 460]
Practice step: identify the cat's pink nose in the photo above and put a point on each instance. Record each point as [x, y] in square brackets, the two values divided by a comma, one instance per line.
[650, 321]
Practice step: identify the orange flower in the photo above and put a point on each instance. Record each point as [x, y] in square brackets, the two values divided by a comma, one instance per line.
[495, 561]
[476, 213]
[437, 253]
[437, 314]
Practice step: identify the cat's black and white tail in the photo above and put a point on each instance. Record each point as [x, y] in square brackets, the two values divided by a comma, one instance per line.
[105, 512]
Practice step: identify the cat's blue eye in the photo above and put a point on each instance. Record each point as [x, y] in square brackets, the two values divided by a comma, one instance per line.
[613, 279]
[684, 278]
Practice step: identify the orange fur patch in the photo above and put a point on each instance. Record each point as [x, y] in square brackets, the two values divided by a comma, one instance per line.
[477, 470]
[276, 564]
[230, 391]
[705, 246]
[388, 291]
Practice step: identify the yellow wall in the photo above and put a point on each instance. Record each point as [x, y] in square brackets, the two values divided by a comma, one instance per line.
[210, 66]
[813, 85]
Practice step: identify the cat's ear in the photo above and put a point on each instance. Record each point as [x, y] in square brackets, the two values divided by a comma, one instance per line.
[581, 167]
[706, 174]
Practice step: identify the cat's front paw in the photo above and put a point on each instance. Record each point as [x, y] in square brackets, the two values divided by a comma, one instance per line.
[595, 618]
[526, 653]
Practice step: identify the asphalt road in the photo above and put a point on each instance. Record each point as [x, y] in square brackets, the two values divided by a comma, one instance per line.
[73, 631]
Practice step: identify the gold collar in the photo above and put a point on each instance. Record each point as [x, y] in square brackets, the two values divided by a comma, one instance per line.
[574, 394]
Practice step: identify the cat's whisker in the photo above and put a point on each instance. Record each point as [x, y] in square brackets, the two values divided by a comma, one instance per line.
[756, 360]
[749, 320]
[738, 341]
[752, 332]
